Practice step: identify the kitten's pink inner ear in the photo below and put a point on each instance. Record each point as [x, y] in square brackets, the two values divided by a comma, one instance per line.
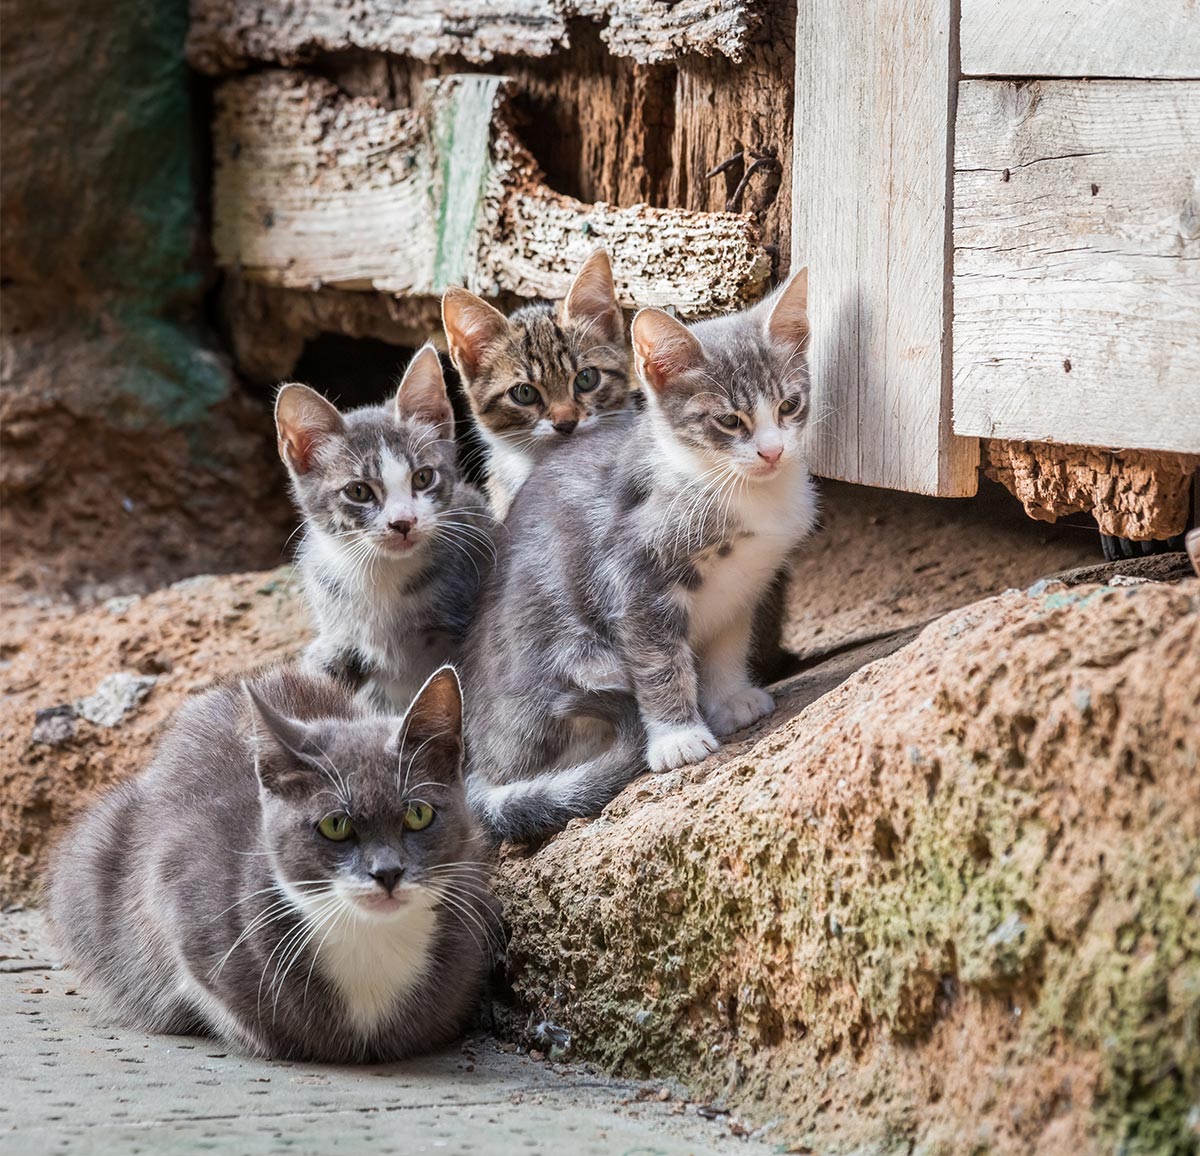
[434, 721]
[593, 297]
[422, 392]
[303, 419]
[472, 327]
[788, 323]
[663, 348]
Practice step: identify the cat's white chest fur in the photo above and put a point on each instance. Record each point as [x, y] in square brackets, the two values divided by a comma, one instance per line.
[772, 519]
[374, 963]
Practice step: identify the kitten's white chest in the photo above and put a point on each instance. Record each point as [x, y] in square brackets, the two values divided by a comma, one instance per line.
[375, 963]
[772, 522]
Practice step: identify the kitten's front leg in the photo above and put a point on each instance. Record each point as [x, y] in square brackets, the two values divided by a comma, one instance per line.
[729, 699]
[663, 671]
[326, 656]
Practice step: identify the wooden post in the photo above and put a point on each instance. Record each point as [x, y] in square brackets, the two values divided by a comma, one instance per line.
[871, 203]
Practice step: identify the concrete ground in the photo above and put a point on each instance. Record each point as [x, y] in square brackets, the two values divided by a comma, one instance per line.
[71, 1084]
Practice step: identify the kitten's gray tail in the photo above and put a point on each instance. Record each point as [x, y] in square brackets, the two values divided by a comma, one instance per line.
[527, 810]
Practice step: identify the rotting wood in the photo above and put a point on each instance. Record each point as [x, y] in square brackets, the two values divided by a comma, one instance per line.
[269, 325]
[1096, 38]
[1132, 493]
[869, 211]
[228, 35]
[1077, 263]
[316, 189]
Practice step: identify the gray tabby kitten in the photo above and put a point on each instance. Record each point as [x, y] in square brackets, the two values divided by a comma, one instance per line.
[615, 631]
[546, 374]
[394, 546]
[292, 873]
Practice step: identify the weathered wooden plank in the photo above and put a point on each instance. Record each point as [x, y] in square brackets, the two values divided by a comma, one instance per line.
[313, 188]
[870, 219]
[1077, 262]
[1099, 38]
[227, 35]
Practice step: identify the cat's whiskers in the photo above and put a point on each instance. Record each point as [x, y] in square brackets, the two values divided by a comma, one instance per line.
[460, 903]
[291, 937]
[327, 917]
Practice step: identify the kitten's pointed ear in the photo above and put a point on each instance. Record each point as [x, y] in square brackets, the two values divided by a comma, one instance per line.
[432, 729]
[279, 741]
[663, 349]
[787, 323]
[422, 393]
[592, 299]
[472, 327]
[303, 419]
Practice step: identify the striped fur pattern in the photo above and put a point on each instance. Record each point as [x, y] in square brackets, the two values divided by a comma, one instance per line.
[395, 546]
[546, 375]
[200, 897]
[614, 634]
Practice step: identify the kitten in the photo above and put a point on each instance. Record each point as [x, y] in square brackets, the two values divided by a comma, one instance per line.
[542, 376]
[394, 546]
[615, 631]
[292, 874]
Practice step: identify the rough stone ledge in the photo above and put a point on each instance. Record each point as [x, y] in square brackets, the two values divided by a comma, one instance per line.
[951, 906]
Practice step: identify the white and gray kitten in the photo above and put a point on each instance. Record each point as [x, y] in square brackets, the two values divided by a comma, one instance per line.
[394, 545]
[293, 873]
[614, 634]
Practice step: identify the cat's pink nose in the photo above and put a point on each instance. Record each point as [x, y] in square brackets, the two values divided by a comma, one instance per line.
[402, 526]
[772, 455]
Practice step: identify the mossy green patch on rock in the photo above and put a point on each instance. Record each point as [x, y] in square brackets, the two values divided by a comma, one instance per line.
[951, 906]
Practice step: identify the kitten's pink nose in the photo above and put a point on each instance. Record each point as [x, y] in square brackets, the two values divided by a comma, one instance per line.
[770, 455]
[566, 428]
[402, 526]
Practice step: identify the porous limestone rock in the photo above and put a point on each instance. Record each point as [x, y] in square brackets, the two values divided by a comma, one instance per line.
[952, 906]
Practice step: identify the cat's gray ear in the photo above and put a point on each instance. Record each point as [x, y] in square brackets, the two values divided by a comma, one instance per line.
[422, 393]
[592, 299]
[787, 323]
[663, 349]
[303, 419]
[432, 729]
[472, 328]
[279, 743]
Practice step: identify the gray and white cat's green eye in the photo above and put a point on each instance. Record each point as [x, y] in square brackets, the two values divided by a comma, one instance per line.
[423, 479]
[418, 816]
[336, 828]
[728, 420]
[523, 394]
[789, 406]
[359, 492]
[587, 379]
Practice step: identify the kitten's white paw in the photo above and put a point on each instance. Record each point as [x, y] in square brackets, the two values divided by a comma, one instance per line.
[677, 746]
[740, 710]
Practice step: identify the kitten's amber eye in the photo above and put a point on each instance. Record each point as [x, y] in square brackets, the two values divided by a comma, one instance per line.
[523, 394]
[338, 828]
[423, 479]
[587, 379]
[728, 420]
[359, 492]
[789, 406]
[418, 816]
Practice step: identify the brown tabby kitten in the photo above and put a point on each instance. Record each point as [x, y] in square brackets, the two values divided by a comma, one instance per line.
[545, 374]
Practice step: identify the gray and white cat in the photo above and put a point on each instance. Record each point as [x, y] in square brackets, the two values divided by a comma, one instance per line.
[615, 631]
[394, 545]
[293, 874]
[548, 374]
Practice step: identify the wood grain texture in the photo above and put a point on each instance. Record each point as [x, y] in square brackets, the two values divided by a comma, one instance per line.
[1077, 263]
[315, 189]
[870, 220]
[229, 35]
[1097, 38]
[1138, 494]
